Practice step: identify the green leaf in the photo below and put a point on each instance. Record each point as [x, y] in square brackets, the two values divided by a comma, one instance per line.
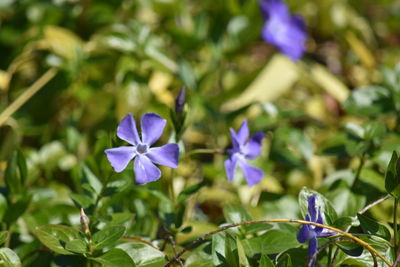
[56, 236]
[368, 101]
[3, 236]
[15, 210]
[190, 191]
[107, 236]
[392, 179]
[82, 201]
[223, 246]
[9, 258]
[199, 258]
[115, 257]
[272, 242]
[265, 261]
[144, 255]
[241, 254]
[351, 249]
[3, 206]
[284, 261]
[372, 227]
[11, 177]
[234, 213]
[91, 179]
[329, 214]
[76, 246]
[346, 202]
[23, 169]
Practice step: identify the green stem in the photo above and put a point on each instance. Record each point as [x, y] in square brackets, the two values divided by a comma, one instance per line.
[226, 227]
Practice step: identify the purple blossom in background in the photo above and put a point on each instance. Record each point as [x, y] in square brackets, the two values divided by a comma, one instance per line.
[282, 30]
[310, 232]
[242, 150]
[152, 127]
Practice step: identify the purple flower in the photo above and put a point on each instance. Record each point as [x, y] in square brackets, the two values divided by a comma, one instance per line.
[282, 30]
[243, 149]
[310, 232]
[152, 127]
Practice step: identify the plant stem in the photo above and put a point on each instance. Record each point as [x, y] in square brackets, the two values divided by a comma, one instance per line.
[226, 227]
[27, 94]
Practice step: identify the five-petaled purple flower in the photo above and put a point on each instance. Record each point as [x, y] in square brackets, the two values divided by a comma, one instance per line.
[310, 232]
[243, 149]
[282, 30]
[152, 127]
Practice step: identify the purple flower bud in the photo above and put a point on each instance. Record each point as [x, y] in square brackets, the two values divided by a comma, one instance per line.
[180, 101]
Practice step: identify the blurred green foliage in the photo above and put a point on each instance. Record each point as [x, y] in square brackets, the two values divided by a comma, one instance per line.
[332, 123]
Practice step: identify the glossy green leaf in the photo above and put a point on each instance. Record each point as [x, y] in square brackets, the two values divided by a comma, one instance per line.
[9, 258]
[372, 227]
[115, 257]
[265, 261]
[273, 241]
[351, 249]
[107, 236]
[55, 237]
[144, 255]
[76, 246]
[284, 261]
[392, 176]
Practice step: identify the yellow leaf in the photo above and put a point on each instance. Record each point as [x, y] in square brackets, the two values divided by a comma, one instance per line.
[63, 42]
[4, 80]
[277, 77]
[332, 85]
[362, 51]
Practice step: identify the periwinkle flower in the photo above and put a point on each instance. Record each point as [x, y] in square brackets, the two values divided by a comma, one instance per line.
[243, 149]
[309, 232]
[152, 127]
[282, 30]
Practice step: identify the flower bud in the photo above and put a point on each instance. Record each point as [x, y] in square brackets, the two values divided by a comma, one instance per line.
[180, 101]
[84, 222]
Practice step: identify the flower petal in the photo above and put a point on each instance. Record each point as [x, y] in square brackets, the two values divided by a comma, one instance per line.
[253, 174]
[230, 167]
[243, 132]
[253, 147]
[282, 30]
[274, 8]
[145, 170]
[312, 208]
[167, 155]
[152, 127]
[127, 130]
[312, 250]
[119, 157]
[304, 233]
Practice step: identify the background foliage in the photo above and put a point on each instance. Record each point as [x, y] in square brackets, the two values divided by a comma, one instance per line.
[331, 120]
